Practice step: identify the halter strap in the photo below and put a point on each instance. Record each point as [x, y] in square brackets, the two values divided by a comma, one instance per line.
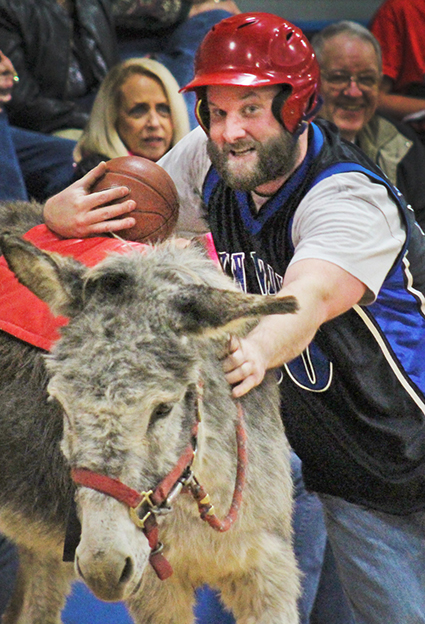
[145, 506]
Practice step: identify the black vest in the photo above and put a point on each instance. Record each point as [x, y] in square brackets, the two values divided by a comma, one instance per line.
[353, 405]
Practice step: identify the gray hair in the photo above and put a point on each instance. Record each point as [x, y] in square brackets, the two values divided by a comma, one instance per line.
[351, 29]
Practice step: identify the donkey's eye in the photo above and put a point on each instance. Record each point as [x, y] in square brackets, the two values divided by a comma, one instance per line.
[161, 411]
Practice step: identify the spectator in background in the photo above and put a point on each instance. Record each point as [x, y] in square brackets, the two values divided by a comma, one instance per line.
[62, 50]
[350, 60]
[138, 110]
[32, 165]
[169, 31]
[48, 162]
[399, 26]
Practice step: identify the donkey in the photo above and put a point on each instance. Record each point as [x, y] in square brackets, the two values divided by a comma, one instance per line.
[176, 485]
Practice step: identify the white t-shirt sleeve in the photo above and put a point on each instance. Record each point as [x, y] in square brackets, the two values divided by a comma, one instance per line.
[188, 164]
[352, 222]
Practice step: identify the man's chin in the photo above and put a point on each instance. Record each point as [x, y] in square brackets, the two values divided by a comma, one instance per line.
[242, 172]
[242, 177]
[237, 180]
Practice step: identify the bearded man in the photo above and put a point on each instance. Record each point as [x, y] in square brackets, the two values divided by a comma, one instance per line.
[295, 210]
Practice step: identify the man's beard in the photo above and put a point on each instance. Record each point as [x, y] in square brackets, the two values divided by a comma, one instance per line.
[275, 157]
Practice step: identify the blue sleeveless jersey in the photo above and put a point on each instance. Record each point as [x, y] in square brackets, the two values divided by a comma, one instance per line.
[353, 403]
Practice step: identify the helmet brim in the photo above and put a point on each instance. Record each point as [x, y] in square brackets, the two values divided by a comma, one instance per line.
[231, 79]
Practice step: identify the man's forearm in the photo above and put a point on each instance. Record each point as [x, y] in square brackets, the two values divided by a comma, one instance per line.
[399, 106]
[323, 290]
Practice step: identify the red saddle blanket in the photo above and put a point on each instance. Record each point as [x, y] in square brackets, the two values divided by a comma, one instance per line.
[25, 316]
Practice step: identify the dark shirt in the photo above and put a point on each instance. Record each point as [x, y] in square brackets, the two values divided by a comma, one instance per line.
[58, 81]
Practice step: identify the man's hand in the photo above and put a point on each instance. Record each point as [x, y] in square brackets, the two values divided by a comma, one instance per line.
[323, 291]
[7, 79]
[75, 212]
[243, 366]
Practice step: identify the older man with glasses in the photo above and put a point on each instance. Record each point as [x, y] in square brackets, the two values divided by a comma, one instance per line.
[351, 72]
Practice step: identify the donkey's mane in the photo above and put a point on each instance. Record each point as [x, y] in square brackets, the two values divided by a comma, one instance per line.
[168, 262]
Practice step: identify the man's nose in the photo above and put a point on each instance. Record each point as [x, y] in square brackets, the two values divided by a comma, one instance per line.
[352, 89]
[234, 129]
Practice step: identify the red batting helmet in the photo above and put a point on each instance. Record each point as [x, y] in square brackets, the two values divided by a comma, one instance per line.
[257, 50]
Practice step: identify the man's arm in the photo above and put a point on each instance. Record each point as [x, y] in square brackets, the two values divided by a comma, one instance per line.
[395, 105]
[323, 290]
[76, 212]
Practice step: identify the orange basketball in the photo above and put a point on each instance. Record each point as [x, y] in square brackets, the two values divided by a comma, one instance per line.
[157, 202]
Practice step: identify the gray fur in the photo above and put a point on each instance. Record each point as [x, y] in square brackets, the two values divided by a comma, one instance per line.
[143, 331]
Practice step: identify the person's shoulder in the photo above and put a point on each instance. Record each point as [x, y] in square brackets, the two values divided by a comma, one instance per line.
[193, 145]
[394, 8]
[350, 185]
[195, 138]
[390, 5]
[399, 127]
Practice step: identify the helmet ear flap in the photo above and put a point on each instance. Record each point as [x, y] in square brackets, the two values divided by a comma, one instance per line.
[202, 112]
[292, 114]
[291, 111]
[278, 104]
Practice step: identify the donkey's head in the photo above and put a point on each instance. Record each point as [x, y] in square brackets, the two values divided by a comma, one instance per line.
[142, 330]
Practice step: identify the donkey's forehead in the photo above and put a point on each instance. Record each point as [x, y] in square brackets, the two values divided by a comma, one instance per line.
[159, 267]
[95, 357]
[116, 391]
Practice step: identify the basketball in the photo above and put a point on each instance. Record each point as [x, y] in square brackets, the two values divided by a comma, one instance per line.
[157, 202]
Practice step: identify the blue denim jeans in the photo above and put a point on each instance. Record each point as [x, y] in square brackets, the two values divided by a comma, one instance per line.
[46, 162]
[331, 604]
[381, 561]
[8, 570]
[12, 185]
[32, 164]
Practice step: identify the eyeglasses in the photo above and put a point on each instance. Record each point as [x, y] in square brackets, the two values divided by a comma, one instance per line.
[342, 80]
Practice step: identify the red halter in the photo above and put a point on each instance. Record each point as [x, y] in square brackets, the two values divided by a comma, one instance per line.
[145, 506]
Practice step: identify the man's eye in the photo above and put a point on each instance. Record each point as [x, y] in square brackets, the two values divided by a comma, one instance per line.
[338, 78]
[367, 81]
[251, 109]
[217, 113]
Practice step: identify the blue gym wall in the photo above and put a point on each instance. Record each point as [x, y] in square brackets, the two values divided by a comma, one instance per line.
[314, 14]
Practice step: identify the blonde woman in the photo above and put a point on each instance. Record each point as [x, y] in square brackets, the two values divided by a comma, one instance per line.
[138, 110]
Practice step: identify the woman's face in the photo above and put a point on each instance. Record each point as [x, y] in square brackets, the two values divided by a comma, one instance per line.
[144, 119]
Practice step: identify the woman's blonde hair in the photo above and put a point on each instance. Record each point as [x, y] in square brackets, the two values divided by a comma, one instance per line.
[100, 134]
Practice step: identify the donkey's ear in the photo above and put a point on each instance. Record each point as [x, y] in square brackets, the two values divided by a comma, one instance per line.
[55, 279]
[207, 310]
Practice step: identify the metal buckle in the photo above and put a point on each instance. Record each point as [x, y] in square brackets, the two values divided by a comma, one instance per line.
[171, 496]
[133, 511]
[159, 548]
